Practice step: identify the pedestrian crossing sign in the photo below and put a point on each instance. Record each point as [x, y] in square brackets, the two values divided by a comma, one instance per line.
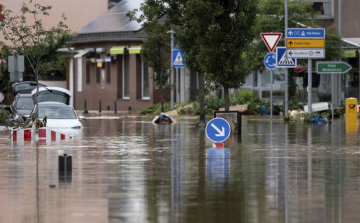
[178, 59]
[282, 61]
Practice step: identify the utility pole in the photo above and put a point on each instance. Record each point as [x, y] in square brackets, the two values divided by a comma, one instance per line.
[339, 75]
[286, 69]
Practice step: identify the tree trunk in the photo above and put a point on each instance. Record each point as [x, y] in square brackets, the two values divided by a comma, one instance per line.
[201, 96]
[226, 96]
[162, 98]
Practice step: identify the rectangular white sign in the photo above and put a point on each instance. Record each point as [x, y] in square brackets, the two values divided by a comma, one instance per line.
[306, 53]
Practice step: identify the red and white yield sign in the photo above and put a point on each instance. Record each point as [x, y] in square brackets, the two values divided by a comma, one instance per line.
[271, 40]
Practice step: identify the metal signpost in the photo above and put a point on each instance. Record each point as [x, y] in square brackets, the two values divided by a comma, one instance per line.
[16, 68]
[270, 63]
[271, 40]
[332, 67]
[217, 130]
[306, 43]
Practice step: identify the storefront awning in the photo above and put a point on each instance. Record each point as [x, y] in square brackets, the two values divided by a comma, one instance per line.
[135, 49]
[83, 52]
[351, 53]
[117, 50]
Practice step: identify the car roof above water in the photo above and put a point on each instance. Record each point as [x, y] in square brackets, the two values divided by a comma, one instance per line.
[53, 103]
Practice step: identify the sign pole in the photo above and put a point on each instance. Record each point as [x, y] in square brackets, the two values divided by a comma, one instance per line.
[16, 68]
[286, 69]
[172, 70]
[309, 84]
[332, 96]
[271, 92]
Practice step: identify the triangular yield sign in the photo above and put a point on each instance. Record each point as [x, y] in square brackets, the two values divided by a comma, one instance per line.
[271, 40]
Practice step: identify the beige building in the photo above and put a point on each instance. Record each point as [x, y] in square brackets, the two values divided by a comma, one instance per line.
[78, 12]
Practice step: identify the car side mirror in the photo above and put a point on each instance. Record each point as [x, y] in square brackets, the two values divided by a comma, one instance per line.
[81, 118]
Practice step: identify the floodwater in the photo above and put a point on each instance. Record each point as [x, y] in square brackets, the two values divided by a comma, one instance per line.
[129, 170]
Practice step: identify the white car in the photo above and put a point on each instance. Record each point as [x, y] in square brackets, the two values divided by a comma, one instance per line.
[60, 116]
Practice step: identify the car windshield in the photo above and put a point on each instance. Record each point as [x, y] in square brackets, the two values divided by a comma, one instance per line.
[25, 103]
[45, 96]
[56, 112]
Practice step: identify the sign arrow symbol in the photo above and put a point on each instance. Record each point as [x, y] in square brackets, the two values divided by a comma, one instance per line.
[290, 43]
[290, 53]
[221, 133]
[290, 33]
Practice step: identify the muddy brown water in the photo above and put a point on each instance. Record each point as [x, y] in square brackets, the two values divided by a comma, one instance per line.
[129, 170]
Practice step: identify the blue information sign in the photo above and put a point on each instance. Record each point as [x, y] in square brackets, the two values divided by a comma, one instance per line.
[178, 59]
[270, 61]
[305, 33]
[282, 61]
[217, 130]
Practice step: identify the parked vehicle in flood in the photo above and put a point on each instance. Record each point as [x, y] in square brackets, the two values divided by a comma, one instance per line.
[56, 94]
[22, 106]
[25, 87]
[59, 116]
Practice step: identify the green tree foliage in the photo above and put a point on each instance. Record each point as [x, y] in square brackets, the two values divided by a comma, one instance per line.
[30, 36]
[181, 20]
[155, 49]
[5, 86]
[223, 40]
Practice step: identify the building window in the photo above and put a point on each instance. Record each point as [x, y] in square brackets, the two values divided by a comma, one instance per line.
[126, 64]
[108, 72]
[119, 63]
[318, 7]
[322, 7]
[88, 67]
[145, 83]
[98, 71]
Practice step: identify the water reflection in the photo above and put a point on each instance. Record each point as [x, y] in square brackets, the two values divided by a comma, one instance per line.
[129, 170]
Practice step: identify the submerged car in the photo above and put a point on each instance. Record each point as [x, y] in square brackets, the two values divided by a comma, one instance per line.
[56, 94]
[59, 116]
[21, 106]
[25, 87]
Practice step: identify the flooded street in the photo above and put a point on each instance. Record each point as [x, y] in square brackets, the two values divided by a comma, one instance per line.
[129, 170]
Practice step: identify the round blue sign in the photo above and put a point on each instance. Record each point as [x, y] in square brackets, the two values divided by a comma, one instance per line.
[217, 130]
[270, 61]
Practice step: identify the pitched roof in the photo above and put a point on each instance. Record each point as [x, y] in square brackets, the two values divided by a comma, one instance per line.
[115, 19]
[113, 25]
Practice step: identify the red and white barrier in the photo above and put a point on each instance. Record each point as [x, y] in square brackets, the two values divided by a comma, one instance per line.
[218, 145]
[44, 134]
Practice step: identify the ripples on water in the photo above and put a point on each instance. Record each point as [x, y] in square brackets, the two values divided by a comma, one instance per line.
[129, 170]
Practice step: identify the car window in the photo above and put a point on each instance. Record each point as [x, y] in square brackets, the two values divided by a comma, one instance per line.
[25, 104]
[56, 112]
[57, 97]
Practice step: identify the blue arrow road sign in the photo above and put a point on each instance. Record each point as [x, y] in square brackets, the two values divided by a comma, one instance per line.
[217, 130]
[305, 33]
[282, 61]
[270, 61]
[178, 59]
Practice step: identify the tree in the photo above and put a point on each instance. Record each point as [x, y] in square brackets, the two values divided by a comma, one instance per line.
[177, 15]
[221, 38]
[31, 38]
[155, 50]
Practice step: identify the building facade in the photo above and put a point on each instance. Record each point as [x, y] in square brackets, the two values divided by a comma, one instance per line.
[107, 66]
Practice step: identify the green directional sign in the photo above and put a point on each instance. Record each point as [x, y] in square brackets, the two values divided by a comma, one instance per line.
[330, 67]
